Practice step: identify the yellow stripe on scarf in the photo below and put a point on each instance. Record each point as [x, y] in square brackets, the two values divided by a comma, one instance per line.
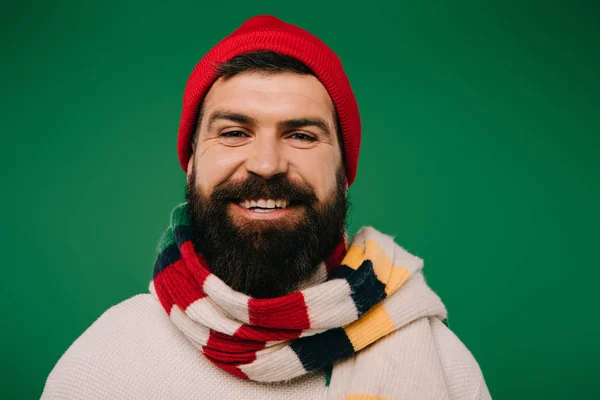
[374, 325]
[390, 275]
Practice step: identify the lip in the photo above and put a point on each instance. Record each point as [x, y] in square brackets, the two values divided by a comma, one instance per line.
[265, 215]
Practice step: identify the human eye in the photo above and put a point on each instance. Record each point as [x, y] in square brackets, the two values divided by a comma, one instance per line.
[233, 134]
[302, 137]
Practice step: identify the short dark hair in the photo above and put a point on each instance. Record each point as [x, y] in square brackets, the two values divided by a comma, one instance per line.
[266, 62]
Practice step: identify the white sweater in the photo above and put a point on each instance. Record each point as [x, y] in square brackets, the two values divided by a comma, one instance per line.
[133, 351]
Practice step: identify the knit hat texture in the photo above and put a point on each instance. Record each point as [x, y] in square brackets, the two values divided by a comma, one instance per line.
[266, 32]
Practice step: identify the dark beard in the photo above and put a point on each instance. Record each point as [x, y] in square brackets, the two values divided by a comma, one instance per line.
[266, 259]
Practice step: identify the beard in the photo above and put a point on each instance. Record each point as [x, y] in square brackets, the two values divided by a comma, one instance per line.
[266, 258]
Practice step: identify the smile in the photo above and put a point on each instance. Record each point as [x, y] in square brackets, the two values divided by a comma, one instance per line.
[267, 209]
[264, 205]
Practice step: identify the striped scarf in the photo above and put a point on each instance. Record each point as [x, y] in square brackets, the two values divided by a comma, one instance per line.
[375, 290]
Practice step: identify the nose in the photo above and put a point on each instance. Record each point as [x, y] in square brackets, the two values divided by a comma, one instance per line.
[266, 158]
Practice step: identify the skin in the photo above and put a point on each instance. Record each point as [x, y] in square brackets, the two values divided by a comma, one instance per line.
[267, 125]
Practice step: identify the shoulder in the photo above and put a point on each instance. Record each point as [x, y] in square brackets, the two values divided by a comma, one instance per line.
[463, 374]
[135, 316]
[112, 357]
[134, 351]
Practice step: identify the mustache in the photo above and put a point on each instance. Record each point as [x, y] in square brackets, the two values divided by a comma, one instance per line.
[255, 187]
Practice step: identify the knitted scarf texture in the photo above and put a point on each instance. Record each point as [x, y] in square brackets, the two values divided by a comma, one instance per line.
[363, 294]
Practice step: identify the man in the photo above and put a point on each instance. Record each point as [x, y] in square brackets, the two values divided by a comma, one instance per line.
[257, 292]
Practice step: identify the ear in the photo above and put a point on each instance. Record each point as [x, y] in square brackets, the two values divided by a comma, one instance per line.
[190, 168]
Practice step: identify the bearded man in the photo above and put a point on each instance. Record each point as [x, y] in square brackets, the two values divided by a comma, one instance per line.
[256, 291]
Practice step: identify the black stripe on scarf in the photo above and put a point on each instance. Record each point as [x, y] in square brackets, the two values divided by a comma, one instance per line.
[367, 290]
[167, 257]
[319, 352]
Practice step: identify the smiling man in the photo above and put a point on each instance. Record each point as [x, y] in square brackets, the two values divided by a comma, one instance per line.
[257, 293]
[263, 212]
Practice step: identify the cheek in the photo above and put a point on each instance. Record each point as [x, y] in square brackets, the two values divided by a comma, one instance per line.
[318, 171]
[215, 165]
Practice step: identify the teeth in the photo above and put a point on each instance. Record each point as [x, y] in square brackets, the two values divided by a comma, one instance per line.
[264, 204]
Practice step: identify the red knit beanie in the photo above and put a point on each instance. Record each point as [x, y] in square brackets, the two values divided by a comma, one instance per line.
[269, 33]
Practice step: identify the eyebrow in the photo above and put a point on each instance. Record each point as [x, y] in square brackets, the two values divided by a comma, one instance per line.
[306, 121]
[294, 123]
[231, 116]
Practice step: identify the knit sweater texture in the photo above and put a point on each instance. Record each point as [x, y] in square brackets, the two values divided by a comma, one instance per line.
[133, 351]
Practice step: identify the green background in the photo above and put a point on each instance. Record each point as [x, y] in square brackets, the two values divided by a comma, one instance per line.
[481, 134]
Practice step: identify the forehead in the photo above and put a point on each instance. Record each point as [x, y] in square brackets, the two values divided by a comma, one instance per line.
[282, 95]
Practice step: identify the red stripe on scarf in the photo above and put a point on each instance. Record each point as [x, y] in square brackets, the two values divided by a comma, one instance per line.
[233, 359]
[289, 311]
[229, 352]
[266, 334]
[175, 285]
[196, 264]
[335, 258]
[232, 344]
[162, 292]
